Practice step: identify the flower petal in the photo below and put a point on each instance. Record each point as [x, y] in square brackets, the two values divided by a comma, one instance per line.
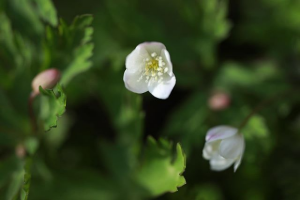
[166, 57]
[135, 60]
[162, 90]
[153, 47]
[220, 132]
[131, 82]
[210, 149]
[218, 163]
[232, 147]
[239, 160]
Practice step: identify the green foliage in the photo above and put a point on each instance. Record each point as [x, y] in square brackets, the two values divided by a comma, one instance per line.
[213, 28]
[245, 49]
[159, 172]
[31, 144]
[15, 184]
[234, 76]
[80, 30]
[271, 21]
[27, 179]
[53, 105]
[10, 176]
[47, 11]
[187, 122]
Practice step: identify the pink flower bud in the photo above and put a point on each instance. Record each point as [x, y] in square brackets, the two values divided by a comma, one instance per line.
[219, 101]
[20, 151]
[47, 79]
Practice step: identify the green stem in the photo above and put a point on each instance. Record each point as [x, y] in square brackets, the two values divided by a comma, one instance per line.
[31, 111]
[263, 104]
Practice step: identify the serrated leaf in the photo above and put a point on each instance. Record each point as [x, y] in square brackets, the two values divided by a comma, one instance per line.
[81, 34]
[47, 11]
[159, 172]
[53, 105]
[80, 64]
[27, 179]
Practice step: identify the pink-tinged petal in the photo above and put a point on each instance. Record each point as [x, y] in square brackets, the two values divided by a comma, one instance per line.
[218, 163]
[153, 47]
[135, 60]
[131, 82]
[231, 147]
[163, 89]
[220, 132]
[210, 149]
[166, 57]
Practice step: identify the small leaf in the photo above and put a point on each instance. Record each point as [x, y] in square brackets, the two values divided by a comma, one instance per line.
[31, 145]
[159, 172]
[53, 105]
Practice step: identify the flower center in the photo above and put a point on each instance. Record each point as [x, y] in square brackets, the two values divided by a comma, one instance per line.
[154, 69]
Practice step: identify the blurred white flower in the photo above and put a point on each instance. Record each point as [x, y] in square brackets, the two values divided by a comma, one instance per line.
[224, 146]
[149, 68]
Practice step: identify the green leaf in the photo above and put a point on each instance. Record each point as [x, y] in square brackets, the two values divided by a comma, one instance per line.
[27, 179]
[213, 26]
[263, 74]
[7, 167]
[57, 136]
[15, 185]
[6, 36]
[53, 105]
[20, 9]
[31, 145]
[82, 32]
[81, 62]
[256, 128]
[159, 172]
[47, 11]
[258, 139]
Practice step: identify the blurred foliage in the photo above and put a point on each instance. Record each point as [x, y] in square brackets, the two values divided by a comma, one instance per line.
[108, 143]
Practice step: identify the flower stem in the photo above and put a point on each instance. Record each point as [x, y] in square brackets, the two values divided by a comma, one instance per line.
[31, 111]
[265, 103]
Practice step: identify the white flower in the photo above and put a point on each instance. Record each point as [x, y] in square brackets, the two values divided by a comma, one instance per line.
[149, 68]
[224, 146]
